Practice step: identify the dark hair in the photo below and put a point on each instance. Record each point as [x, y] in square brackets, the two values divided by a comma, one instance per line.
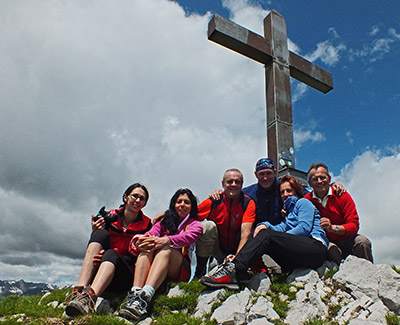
[316, 166]
[132, 187]
[171, 218]
[294, 184]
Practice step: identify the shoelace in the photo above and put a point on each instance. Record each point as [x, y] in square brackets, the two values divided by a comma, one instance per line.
[72, 296]
[86, 299]
[225, 268]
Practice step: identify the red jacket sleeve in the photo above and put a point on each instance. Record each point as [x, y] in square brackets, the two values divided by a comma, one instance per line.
[204, 209]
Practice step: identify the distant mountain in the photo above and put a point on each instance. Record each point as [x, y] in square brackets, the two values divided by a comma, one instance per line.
[11, 287]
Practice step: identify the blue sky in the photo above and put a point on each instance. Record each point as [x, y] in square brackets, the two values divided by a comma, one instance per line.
[97, 95]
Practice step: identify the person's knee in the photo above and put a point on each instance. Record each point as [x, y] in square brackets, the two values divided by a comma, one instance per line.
[101, 236]
[361, 240]
[210, 230]
[111, 256]
[334, 254]
[362, 248]
[208, 239]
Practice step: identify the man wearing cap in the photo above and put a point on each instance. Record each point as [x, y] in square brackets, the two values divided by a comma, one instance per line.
[264, 192]
[230, 219]
[339, 217]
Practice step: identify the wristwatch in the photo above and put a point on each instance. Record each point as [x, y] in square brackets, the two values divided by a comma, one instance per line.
[336, 229]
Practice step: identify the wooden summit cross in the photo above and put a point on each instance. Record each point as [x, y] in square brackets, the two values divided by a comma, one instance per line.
[280, 64]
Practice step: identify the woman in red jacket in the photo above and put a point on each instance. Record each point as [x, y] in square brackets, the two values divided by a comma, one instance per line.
[107, 263]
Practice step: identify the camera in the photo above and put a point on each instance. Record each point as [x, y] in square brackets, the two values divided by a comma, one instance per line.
[109, 218]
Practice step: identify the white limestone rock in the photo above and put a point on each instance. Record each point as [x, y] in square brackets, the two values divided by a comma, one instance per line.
[234, 309]
[260, 282]
[206, 301]
[263, 309]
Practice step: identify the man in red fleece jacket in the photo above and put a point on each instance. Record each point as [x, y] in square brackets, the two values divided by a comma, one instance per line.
[339, 217]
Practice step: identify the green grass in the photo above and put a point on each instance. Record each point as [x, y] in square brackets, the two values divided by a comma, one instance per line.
[395, 269]
[28, 305]
[392, 319]
[330, 272]
[181, 318]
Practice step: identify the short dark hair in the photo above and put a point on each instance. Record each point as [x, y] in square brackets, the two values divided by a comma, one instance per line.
[294, 184]
[132, 187]
[233, 170]
[316, 166]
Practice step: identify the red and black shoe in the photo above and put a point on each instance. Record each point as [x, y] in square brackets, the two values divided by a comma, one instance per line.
[224, 276]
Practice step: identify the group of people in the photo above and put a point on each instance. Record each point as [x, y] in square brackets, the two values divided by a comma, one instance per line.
[236, 226]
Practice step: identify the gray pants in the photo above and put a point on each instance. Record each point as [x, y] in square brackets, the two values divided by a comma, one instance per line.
[357, 245]
[208, 244]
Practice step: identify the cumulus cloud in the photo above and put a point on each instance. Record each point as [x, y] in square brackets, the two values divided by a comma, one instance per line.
[326, 52]
[301, 136]
[373, 180]
[378, 47]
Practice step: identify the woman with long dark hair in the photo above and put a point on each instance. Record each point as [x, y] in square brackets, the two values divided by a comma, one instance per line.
[107, 263]
[298, 241]
[163, 252]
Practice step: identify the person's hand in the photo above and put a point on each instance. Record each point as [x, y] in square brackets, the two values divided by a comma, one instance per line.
[283, 213]
[98, 224]
[97, 258]
[145, 243]
[158, 218]
[325, 224]
[258, 229]
[339, 189]
[160, 242]
[216, 194]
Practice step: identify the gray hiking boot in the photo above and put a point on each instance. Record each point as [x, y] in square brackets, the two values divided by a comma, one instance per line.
[135, 307]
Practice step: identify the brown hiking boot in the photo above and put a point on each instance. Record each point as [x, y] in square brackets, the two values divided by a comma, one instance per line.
[83, 304]
[76, 291]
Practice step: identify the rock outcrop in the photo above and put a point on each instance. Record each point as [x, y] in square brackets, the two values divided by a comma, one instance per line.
[359, 292]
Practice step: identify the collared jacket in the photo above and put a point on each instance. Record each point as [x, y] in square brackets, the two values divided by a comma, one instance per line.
[189, 230]
[340, 210]
[302, 219]
[121, 237]
[228, 215]
[268, 205]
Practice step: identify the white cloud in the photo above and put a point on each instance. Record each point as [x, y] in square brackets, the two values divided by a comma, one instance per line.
[247, 13]
[302, 136]
[349, 137]
[394, 33]
[378, 47]
[375, 30]
[326, 52]
[373, 180]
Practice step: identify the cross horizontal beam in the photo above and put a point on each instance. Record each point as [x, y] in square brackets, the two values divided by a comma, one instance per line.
[256, 47]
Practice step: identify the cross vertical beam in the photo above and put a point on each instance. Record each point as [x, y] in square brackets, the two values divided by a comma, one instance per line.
[278, 95]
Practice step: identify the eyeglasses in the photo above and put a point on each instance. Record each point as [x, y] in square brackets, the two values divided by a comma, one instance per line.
[316, 178]
[135, 196]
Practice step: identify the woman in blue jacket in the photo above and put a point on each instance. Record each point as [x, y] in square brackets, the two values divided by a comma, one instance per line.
[298, 241]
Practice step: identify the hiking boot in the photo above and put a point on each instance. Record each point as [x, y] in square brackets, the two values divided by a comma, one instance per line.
[135, 307]
[223, 276]
[83, 303]
[76, 291]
